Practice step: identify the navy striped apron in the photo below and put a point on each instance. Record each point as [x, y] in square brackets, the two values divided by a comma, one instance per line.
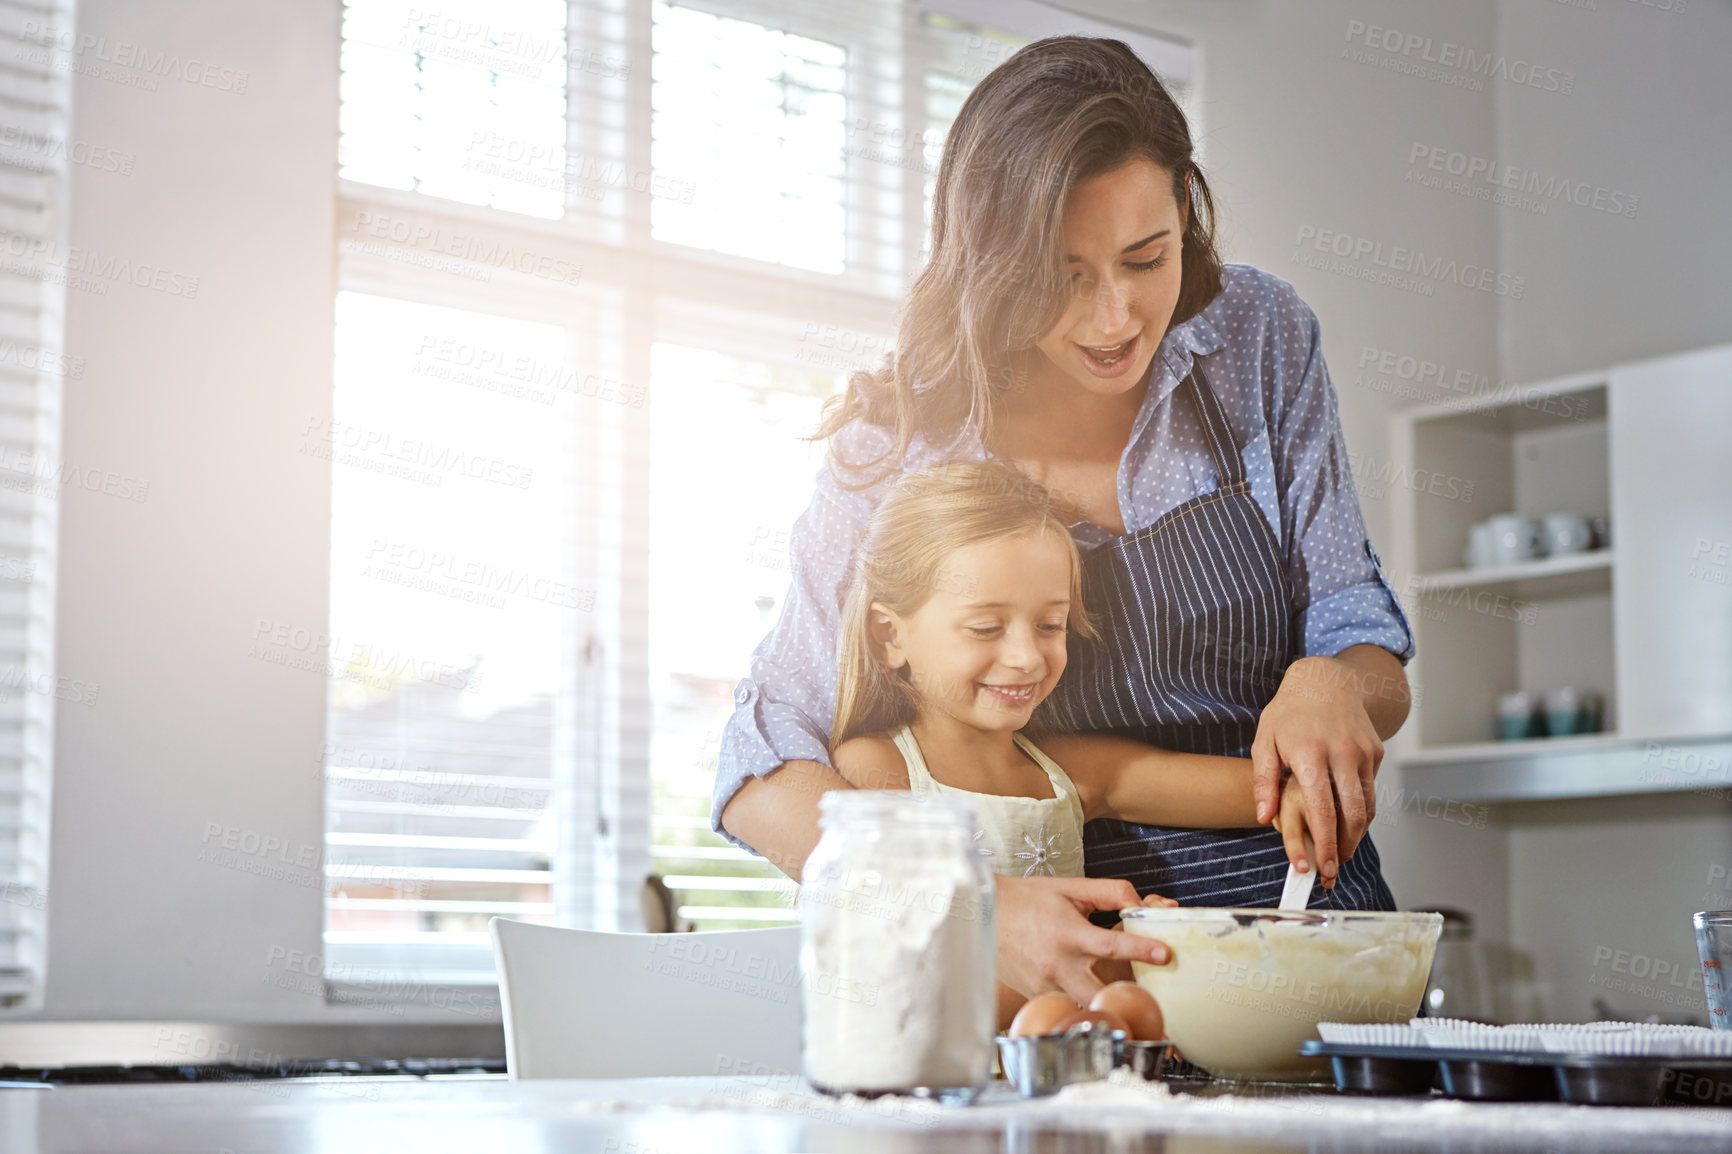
[1196, 629]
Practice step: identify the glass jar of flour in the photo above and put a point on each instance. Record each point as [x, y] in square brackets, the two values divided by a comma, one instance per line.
[898, 955]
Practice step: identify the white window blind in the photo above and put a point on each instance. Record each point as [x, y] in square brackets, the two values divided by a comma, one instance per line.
[455, 598]
[36, 151]
[752, 120]
[632, 271]
[730, 473]
[451, 99]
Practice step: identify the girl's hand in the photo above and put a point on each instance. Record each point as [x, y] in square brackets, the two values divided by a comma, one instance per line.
[1317, 726]
[1296, 831]
[1046, 942]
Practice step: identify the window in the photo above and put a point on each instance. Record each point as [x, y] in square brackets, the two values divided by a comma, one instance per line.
[454, 598]
[36, 90]
[731, 509]
[750, 120]
[427, 91]
[960, 55]
[601, 262]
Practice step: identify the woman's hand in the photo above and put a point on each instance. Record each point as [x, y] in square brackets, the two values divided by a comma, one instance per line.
[1046, 942]
[1319, 726]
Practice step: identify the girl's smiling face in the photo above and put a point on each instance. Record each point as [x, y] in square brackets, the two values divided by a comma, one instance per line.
[1121, 247]
[989, 644]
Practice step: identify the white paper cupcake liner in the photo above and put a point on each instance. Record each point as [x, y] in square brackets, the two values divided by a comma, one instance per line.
[1369, 1034]
[1709, 1044]
[1457, 1034]
[1633, 1039]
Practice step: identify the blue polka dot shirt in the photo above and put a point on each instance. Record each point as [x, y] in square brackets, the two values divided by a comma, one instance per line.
[1260, 350]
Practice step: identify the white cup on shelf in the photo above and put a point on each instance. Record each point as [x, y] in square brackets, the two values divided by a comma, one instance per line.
[1565, 533]
[1513, 539]
[1477, 555]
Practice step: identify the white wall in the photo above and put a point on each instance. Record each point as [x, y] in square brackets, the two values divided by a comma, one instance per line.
[1648, 118]
[1593, 880]
[205, 399]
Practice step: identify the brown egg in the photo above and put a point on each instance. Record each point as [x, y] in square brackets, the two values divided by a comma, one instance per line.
[1102, 1019]
[1136, 1006]
[1041, 1013]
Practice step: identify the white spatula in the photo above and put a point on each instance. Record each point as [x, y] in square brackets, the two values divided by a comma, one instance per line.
[1297, 892]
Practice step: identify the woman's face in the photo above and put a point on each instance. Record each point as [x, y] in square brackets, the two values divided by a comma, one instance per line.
[989, 644]
[1121, 246]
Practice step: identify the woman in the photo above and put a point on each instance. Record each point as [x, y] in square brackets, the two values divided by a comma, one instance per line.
[1075, 321]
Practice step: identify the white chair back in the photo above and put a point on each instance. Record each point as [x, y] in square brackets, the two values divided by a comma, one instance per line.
[586, 1004]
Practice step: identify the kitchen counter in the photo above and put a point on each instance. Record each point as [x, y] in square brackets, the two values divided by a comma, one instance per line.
[772, 1113]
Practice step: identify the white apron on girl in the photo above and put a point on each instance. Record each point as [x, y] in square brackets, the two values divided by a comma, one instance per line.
[1019, 836]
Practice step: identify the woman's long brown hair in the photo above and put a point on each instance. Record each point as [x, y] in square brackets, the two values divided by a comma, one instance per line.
[1057, 113]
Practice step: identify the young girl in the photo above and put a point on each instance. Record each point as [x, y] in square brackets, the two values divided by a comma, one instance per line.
[953, 634]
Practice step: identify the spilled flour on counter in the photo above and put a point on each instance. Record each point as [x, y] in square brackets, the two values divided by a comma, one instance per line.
[1124, 1104]
[1255, 1108]
[846, 1110]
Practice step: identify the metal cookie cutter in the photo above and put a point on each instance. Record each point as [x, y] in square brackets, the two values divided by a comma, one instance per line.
[1041, 1064]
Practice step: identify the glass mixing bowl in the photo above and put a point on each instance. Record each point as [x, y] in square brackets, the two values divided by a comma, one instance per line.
[1246, 986]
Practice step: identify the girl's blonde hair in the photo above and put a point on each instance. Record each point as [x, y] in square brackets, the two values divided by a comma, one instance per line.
[925, 518]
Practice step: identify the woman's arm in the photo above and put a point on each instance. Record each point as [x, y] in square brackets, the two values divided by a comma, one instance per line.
[777, 814]
[1346, 693]
[1375, 675]
[1127, 780]
[1327, 723]
[871, 763]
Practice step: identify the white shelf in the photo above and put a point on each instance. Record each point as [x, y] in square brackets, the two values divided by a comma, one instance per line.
[1515, 407]
[1548, 769]
[1546, 577]
[1644, 627]
[1502, 750]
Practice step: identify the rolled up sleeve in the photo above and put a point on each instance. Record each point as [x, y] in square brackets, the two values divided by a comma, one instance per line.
[784, 707]
[1339, 586]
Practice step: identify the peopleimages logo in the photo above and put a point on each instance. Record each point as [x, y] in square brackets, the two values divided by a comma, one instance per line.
[476, 249]
[97, 265]
[347, 443]
[84, 47]
[1401, 261]
[1412, 52]
[1486, 176]
[38, 150]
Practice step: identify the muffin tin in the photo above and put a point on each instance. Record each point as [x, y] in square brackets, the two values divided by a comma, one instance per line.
[1492, 1075]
